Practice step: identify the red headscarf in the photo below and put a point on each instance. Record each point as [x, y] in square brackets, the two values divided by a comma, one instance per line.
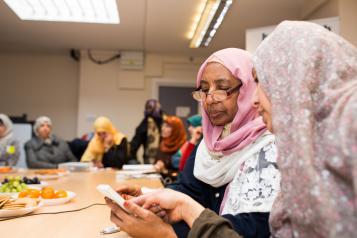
[177, 138]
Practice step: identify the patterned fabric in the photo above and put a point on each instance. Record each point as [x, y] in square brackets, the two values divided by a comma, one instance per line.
[246, 125]
[8, 135]
[256, 185]
[310, 76]
[252, 175]
[153, 140]
[9, 146]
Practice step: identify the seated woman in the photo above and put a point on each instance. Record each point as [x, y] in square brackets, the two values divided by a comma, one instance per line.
[46, 150]
[173, 136]
[195, 130]
[108, 147]
[9, 146]
[148, 132]
[317, 142]
[233, 170]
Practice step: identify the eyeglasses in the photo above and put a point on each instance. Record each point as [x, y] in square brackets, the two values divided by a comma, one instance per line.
[217, 95]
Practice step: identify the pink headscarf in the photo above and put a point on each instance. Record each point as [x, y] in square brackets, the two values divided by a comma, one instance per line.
[310, 76]
[246, 125]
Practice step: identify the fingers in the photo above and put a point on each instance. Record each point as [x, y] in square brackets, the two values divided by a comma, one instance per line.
[155, 209]
[147, 201]
[136, 210]
[116, 220]
[118, 211]
[133, 190]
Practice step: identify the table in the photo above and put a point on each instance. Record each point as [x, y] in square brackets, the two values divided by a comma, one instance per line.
[86, 223]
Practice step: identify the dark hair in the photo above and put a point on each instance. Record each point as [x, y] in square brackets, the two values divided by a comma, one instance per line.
[1, 122]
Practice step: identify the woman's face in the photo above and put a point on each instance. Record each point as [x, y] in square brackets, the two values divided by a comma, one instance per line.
[105, 136]
[262, 103]
[44, 131]
[216, 77]
[2, 129]
[166, 130]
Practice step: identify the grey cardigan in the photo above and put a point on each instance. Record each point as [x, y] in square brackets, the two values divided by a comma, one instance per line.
[42, 155]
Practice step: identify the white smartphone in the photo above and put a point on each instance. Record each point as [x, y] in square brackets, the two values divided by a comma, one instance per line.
[109, 192]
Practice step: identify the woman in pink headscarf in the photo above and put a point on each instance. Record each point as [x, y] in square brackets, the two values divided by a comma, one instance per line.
[233, 170]
[310, 77]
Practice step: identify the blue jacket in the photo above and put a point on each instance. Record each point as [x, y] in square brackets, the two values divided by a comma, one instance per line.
[248, 225]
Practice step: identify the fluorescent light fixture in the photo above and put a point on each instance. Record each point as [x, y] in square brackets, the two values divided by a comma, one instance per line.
[90, 11]
[210, 19]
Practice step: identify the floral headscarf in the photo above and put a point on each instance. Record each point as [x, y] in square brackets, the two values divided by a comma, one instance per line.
[310, 76]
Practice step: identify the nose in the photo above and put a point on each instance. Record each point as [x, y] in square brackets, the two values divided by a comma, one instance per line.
[255, 101]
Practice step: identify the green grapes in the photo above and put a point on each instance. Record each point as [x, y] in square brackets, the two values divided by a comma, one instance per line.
[13, 185]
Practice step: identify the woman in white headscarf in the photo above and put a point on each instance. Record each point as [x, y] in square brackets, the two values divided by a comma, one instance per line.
[9, 146]
[46, 150]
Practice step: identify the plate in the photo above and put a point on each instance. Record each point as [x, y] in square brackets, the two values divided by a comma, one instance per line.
[51, 176]
[75, 166]
[6, 169]
[37, 186]
[58, 201]
[19, 212]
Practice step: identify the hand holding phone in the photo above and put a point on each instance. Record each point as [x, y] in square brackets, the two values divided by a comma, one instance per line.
[109, 192]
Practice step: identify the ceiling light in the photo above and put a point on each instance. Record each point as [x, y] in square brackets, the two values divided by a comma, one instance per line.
[211, 18]
[90, 11]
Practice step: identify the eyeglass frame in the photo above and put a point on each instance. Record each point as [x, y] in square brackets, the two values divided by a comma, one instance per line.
[228, 92]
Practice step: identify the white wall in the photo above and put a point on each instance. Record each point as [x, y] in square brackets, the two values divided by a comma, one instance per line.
[348, 16]
[100, 94]
[40, 84]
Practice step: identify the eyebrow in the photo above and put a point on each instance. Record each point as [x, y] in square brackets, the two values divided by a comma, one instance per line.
[217, 81]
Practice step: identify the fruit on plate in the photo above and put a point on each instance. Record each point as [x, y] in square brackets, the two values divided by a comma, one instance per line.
[50, 171]
[13, 185]
[48, 193]
[45, 193]
[61, 194]
[25, 180]
[5, 169]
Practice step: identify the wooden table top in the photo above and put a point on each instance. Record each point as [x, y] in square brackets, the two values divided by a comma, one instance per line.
[85, 223]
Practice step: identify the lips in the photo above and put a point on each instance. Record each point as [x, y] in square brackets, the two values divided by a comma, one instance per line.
[215, 113]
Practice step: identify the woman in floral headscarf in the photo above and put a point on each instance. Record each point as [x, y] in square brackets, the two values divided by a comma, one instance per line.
[310, 77]
[108, 147]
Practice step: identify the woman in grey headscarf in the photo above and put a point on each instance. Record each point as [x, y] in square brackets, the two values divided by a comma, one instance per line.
[46, 150]
[9, 146]
[310, 77]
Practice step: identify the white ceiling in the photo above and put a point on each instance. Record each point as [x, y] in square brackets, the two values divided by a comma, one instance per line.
[155, 26]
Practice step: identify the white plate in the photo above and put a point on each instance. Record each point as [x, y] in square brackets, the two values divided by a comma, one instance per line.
[19, 212]
[75, 166]
[37, 186]
[58, 201]
[13, 195]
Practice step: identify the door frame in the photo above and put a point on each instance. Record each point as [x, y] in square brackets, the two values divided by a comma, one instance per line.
[170, 82]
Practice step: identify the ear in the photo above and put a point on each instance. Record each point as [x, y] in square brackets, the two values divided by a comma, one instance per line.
[254, 73]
